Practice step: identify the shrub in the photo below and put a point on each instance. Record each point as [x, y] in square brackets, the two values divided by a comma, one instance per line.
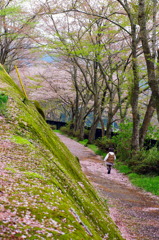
[104, 143]
[84, 142]
[148, 163]
[153, 132]
[76, 133]
[122, 142]
[69, 130]
[86, 133]
[53, 127]
[66, 130]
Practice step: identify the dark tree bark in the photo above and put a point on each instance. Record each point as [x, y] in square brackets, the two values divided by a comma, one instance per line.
[148, 116]
[135, 93]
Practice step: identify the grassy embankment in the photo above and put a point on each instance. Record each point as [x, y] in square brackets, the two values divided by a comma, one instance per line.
[43, 192]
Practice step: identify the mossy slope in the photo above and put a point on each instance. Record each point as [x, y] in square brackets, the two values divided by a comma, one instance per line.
[49, 197]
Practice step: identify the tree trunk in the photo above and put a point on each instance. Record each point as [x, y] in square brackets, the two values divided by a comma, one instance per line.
[96, 117]
[102, 127]
[146, 121]
[135, 92]
[81, 134]
[110, 117]
[92, 131]
[95, 120]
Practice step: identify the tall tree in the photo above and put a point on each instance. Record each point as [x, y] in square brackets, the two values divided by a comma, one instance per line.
[149, 52]
[16, 33]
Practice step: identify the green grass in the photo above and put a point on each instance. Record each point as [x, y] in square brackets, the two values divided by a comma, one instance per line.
[122, 168]
[93, 147]
[84, 142]
[148, 183]
[57, 131]
[96, 150]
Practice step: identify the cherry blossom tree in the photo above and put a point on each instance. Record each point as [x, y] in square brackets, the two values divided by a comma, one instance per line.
[17, 33]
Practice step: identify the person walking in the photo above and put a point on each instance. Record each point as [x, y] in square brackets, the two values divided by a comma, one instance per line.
[109, 159]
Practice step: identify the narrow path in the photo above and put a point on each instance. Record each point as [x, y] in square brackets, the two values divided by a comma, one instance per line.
[135, 212]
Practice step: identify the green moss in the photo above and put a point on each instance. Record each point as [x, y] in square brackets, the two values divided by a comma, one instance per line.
[5, 78]
[33, 175]
[20, 140]
[11, 169]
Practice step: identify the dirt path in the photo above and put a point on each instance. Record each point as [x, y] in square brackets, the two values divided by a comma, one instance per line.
[135, 212]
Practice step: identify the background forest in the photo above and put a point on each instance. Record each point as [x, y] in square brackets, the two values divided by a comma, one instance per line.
[82, 57]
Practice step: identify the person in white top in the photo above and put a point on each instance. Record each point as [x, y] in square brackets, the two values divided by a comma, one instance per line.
[109, 159]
